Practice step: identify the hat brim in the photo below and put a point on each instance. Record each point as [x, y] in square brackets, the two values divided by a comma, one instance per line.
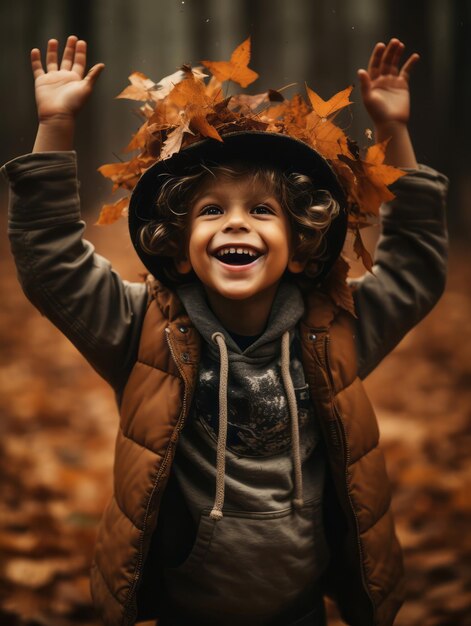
[271, 149]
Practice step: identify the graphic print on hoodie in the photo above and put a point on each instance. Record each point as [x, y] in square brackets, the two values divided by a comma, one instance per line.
[263, 559]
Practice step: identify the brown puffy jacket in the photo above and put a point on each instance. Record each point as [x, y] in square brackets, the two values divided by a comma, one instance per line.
[365, 575]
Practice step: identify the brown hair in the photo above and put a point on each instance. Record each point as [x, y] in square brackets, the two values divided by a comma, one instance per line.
[309, 210]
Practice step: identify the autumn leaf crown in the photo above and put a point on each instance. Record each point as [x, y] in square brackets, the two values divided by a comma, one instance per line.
[185, 107]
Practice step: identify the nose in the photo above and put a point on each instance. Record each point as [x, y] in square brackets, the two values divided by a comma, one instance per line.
[236, 220]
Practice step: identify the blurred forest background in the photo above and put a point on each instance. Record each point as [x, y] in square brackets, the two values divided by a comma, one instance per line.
[58, 419]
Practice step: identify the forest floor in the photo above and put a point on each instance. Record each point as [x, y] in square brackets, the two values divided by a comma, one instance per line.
[58, 423]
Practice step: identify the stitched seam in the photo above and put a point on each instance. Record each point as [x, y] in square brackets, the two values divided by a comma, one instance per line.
[375, 521]
[138, 443]
[364, 454]
[125, 514]
[155, 367]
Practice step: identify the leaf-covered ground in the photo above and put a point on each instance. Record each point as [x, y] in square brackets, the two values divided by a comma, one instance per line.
[58, 422]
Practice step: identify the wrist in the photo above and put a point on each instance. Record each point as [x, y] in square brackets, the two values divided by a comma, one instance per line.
[58, 120]
[55, 134]
[391, 128]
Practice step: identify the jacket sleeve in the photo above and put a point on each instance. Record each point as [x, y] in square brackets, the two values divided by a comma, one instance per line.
[59, 271]
[410, 266]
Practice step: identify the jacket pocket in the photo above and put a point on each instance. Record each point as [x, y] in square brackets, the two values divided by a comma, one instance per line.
[249, 566]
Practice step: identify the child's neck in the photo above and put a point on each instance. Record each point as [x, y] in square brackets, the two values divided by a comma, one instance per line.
[243, 317]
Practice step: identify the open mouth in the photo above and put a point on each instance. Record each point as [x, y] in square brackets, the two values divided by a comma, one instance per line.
[237, 256]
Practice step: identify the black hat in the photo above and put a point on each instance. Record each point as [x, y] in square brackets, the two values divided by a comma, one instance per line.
[259, 147]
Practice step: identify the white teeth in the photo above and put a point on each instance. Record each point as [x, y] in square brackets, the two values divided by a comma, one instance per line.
[224, 251]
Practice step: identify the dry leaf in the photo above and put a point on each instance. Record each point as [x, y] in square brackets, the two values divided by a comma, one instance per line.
[361, 251]
[141, 88]
[236, 69]
[111, 213]
[325, 108]
[337, 286]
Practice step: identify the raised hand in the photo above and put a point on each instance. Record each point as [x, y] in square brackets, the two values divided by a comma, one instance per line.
[62, 90]
[385, 85]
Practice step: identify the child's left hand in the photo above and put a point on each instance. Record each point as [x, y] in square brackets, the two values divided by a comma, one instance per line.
[385, 86]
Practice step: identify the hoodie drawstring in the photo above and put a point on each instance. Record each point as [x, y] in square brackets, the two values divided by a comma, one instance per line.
[216, 512]
[293, 411]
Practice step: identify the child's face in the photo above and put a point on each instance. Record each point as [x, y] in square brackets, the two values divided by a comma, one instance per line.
[239, 242]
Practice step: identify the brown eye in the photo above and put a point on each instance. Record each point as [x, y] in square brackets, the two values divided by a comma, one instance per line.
[262, 209]
[211, 209]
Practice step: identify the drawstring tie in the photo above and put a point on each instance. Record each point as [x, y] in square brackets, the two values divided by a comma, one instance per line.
[293, 411]
[216, 513]
[218, 338]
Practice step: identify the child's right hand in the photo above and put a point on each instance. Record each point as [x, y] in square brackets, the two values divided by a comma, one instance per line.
[61, 91]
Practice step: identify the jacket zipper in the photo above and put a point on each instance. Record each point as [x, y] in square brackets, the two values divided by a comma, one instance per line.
[131, 614]
[346, 448]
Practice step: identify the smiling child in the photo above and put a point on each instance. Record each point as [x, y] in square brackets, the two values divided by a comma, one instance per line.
[248, 481]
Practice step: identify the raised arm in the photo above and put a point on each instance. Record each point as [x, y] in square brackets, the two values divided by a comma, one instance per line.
[410, 261]
[59, 271]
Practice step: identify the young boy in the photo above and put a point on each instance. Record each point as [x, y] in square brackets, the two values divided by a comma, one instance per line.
[229, 372]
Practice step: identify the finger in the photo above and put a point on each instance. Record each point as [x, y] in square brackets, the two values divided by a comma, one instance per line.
[365, 82]
[387, 62]
[408, 65]
[80, 58]
[93, 73]
[396, 58]
[36, 63]
[69, 53]
[51, 55]
[375, 60]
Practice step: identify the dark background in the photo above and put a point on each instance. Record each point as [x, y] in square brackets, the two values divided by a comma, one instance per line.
[322, 42]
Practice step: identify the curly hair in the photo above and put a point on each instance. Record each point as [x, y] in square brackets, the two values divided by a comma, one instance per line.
[310, 212]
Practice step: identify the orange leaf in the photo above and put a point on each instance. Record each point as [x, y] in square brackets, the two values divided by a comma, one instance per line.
[326, 137]
[236, 69]
[174, 140]
[371, 178]
[111, 213]
[165, 86]
[201, 124]
[138, 139]
[361, 252]
[337, 287]
[324, 108]
[254, 101]
[190, 96]
[139, 89]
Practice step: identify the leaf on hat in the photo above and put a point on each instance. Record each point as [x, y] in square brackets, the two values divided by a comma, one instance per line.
[371, 177]
[361, 251]
[111, 213]
[125, 175]
[141, 88]
[254, 101]
[138, 140]
[213, 89]
[165, 86]
[337, 287]
[174, 140]
[326, 137]
[190, 96]
[326, 108]
[237, 68]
